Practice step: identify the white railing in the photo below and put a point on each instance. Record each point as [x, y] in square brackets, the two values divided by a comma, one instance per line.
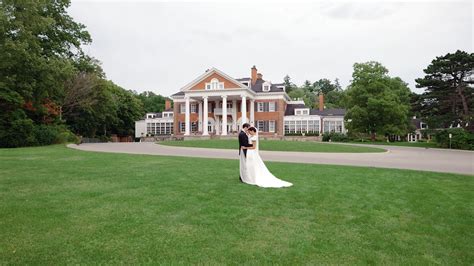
[218, 111]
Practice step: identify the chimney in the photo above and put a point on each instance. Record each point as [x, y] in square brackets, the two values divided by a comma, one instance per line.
[254, 75]
[167, 104]
[259, 75]
[321, 102]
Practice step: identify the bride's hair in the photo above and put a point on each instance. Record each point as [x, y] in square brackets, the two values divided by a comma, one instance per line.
[253, 129]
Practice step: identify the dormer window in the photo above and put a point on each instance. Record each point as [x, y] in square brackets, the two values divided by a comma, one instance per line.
[214, 85]
[245, 83]
[302, 111]
[266, 86]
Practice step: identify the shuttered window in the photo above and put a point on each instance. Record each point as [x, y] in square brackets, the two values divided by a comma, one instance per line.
[267, 126]
[266, 106]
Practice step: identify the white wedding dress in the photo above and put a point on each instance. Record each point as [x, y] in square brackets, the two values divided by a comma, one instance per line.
[257, 171]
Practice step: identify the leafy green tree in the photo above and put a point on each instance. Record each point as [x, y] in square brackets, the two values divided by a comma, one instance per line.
[129, 109]
[152, 103]
[38, 43]
[324, 86]
[379, 104]
[289, 86]
[449, 91]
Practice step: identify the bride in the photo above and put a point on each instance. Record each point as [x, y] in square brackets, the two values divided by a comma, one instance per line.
[258, 173]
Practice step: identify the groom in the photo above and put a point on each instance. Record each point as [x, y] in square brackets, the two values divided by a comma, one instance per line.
[243, 144]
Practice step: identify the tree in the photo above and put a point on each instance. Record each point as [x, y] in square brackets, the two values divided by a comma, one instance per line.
[379, 104]
[129, 109]
[289, 86]
[152, 103]
[38, 43]
[324, 86]
[449, 90]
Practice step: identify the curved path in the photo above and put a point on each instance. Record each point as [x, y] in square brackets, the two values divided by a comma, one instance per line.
[436, 160]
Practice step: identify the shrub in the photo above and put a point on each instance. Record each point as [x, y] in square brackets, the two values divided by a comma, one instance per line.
[19, 134]
[293, 134]
[326, 136]
[336, 137]
[45, 134]
[461, 139]
[67, 136]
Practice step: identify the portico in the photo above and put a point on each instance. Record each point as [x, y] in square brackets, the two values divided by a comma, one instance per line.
[225, 108]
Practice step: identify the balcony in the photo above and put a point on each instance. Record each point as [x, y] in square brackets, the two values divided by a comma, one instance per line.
[218, 111]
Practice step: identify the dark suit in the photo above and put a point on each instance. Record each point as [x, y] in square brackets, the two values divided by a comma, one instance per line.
[243, 142]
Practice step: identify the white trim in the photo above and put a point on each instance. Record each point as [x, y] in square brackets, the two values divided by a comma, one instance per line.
[208, 74]
[268, 85]
[270, 127]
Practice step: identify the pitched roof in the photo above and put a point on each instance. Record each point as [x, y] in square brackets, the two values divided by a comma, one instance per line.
[290, 108]
[257, 87]
[416, 122]
[179, 93]
[329, 112]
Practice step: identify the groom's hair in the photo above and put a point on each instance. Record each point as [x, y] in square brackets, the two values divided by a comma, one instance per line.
[246, 125]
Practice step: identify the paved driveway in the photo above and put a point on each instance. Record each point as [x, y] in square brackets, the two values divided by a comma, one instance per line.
[437, 160]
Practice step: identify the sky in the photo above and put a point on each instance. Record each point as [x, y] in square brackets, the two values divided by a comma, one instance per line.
[162, 46]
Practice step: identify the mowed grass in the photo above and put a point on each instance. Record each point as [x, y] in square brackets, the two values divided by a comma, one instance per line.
[63, 206]
[274, 145]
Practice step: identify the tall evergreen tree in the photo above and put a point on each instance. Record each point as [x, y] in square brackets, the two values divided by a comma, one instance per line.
[449, 90]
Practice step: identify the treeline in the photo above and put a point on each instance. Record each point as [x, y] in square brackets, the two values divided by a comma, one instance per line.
[381, 106]
[309, 91]
[50, 91]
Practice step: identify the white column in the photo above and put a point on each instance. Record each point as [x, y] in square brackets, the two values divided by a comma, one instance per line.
[216, 120]
[205, 122]
[224, 115]
[186, 119]
[234, 115]
[244, 110]
[252, 112]
[200, 117]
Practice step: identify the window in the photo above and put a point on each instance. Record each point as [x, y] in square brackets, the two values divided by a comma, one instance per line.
[302, 111]
[194, 126]
[301, 126]
[214, 85]
[266, 125]
[193, 108]
[266, 86]
[182, 108]
[245, 83]
[182, 127]
[332, 126]
[261, 125]
[271, 126]
[160, 128]
[266, 106]
[271, 106]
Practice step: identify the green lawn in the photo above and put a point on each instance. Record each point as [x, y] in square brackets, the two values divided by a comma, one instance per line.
[401, 143]
[275, 145]
[63, 206]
